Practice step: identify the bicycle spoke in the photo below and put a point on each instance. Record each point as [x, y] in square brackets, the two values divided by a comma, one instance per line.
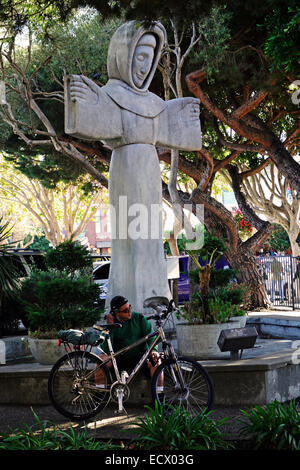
[197, 392]
[72, 385]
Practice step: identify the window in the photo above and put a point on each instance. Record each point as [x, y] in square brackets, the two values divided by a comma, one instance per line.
[102, 272]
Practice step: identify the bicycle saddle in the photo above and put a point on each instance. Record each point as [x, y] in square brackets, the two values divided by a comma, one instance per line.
[155, 302]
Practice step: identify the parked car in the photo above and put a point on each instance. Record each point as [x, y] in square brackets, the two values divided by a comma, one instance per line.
[101, 272]
[24, 259]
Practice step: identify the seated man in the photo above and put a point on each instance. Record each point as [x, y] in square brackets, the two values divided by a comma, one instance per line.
[134, 326]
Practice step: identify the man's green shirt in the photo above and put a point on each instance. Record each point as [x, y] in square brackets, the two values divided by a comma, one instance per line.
[132, 330]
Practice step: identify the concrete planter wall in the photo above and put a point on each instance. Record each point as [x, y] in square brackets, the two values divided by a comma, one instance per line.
[200, 341]
[242, 320]
[45, 351]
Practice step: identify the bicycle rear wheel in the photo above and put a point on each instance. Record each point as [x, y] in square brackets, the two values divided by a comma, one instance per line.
[72, 385]
[196, 395]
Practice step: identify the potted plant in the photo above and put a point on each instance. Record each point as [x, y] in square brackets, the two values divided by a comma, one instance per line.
[211, 308]
[62, 297]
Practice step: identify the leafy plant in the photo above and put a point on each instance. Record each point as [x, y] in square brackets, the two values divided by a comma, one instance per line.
[9, 277]
[231, 293]
[48, 436]
[217, 300]
[212, 249]
[220, 310]
[9, 281]
[275, 426]
[178, 430]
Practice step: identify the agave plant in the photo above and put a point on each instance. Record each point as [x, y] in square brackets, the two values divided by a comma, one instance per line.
[9, 278]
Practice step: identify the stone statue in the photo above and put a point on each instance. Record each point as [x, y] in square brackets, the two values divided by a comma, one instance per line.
[131, 121]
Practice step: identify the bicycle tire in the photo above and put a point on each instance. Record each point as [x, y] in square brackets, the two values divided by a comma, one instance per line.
[68, 384]
[199, 393]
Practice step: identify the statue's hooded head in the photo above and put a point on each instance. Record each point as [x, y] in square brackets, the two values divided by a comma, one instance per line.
[134, 52]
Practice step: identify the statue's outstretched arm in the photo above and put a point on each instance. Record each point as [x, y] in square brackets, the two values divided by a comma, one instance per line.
[179, 125]
[89, 112]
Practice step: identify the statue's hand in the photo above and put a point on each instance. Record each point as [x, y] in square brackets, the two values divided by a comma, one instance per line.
[83, 89]
[190, 109]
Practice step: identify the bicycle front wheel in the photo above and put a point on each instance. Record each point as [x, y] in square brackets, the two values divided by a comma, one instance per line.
[72, 385]
[196, 393]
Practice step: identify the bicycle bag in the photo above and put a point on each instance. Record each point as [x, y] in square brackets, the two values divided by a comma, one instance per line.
[78, 337]
[70, 336]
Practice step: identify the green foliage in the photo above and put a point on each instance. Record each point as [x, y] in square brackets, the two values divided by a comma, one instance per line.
[231, 293]
[69, 257]
[46, 435]
[222, 310]
[44, 164]
[278, 240]
[213, 248]
[274, 427]
[177, 430]
[39, 243]
[216, 300]
[282, 26]
[218, 277]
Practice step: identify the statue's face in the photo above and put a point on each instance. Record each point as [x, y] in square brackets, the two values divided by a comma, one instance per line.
[142, 61]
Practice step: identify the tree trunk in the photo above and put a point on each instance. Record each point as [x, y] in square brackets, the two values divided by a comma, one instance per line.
[249, 274]
[204, 277]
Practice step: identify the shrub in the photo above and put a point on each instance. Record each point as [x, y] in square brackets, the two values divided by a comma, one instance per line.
[231, 293]
[69, 257]
[178, 430]
[275, 426]
[62, 297]
[53, 303]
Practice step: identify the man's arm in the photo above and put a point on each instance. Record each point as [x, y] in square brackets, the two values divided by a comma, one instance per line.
[146, 329]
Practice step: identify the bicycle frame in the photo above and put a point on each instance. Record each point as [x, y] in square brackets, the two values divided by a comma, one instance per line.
[160, 337]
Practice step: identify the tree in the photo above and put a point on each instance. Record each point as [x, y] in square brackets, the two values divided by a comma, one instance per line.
[270, 195]
[62, 213]
[32, 101]
[234, 78]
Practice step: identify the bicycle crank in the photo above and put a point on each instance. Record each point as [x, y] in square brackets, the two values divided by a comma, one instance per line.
[119, 393]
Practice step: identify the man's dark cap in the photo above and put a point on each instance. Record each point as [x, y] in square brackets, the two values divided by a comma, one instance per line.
[117, 302]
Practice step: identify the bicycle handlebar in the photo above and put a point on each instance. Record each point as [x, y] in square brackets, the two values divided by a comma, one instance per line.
[162, 315]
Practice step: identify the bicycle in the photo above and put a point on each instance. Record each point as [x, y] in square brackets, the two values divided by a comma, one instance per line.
[74, 392]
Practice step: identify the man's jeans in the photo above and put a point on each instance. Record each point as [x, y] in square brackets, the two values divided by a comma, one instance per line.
[276, 283]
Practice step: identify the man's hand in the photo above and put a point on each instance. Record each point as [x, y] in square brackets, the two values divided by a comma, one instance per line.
[109, 318]
[154, 359]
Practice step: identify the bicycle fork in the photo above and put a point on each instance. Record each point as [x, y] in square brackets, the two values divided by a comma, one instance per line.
[175, 369]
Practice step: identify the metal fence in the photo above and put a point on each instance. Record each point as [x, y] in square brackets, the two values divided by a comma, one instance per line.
[282, 279]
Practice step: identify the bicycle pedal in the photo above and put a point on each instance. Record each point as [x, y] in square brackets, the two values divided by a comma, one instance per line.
[121, 412]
